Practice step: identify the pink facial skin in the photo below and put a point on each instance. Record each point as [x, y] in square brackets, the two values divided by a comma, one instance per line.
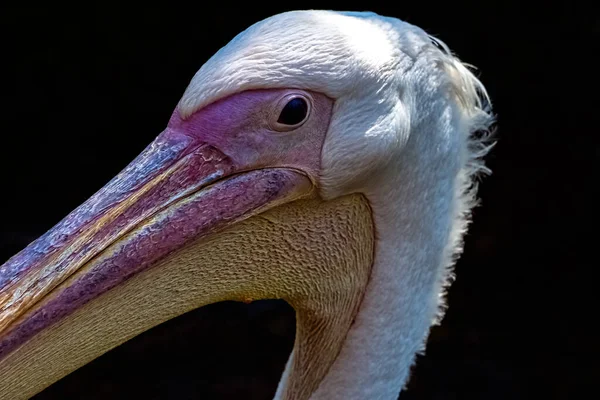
[240, 127]
[168, 181]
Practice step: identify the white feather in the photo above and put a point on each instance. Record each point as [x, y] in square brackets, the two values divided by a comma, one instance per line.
[402, 133]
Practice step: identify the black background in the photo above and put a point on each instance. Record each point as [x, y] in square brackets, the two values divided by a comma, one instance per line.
[84, 90]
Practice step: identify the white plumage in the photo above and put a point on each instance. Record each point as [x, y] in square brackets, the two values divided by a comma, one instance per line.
[401, 133]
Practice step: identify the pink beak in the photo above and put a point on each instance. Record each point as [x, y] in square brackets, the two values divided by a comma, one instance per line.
[178, 190]
[145, 248]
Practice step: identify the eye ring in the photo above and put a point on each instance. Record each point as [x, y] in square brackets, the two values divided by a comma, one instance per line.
[291, 111]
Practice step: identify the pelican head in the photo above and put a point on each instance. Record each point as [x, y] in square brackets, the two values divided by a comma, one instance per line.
[324, 158]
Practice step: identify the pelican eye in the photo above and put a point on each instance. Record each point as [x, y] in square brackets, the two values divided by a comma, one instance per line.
[291, 111]
[294, 112]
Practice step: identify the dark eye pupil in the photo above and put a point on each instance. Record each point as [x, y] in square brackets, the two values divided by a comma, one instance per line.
[294, 112]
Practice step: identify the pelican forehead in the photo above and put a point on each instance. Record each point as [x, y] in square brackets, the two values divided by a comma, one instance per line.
[335, 53]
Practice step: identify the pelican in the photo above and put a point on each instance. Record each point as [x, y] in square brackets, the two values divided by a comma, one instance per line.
[323, 158]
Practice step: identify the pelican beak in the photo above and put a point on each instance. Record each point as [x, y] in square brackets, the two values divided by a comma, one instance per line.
[164, 237]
